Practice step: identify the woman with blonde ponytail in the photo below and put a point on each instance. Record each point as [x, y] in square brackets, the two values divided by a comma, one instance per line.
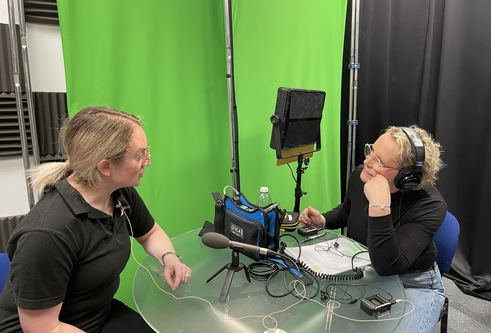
[68, 252]
[47, 174]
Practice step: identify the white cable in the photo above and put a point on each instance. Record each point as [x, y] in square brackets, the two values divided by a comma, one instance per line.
[330, 305]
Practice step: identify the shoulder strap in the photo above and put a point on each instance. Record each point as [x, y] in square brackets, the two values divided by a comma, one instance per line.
[219, 214]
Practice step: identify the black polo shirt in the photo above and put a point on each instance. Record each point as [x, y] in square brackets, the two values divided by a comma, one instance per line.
[67, 251]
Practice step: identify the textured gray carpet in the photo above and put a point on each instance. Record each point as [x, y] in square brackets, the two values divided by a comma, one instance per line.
[467, 314]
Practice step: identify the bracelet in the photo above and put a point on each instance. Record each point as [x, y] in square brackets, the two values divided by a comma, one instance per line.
[382, 206]
[166, 253]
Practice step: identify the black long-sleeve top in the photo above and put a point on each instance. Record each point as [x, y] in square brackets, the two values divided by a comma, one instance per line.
[401, 241]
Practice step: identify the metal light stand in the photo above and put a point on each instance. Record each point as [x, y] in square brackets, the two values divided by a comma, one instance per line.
[298, 189]
[18, 91]
[232, 107]
[301, 151]
[234, 266]
[353, 66]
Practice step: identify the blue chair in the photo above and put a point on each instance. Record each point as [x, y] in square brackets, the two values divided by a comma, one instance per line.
[4, 269]
[446, 240]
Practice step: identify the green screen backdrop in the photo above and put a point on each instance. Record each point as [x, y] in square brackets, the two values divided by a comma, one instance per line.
[166, 62]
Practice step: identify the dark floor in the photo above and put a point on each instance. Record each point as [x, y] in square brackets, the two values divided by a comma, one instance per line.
[467, 314]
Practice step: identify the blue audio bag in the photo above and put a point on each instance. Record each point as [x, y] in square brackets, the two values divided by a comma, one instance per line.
[241, 221]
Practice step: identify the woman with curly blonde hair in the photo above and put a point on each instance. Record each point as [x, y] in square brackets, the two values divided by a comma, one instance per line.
[393, 207]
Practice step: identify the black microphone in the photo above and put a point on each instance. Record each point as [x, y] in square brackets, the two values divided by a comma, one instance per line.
[219, 241]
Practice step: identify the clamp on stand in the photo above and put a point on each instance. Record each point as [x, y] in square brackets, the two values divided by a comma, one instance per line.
[298, 190]
[234, 266]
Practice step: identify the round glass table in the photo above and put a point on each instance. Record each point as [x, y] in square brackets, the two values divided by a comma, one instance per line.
[250, 306]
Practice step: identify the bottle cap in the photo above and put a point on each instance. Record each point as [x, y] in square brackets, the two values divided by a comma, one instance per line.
[263, 189]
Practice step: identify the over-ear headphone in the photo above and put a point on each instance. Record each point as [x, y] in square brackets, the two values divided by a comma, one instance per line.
[410, 177]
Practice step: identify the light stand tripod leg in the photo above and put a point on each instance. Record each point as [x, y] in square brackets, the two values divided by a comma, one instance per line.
[232, 267]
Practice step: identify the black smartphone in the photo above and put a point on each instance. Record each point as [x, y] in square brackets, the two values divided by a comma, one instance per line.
[306, 231]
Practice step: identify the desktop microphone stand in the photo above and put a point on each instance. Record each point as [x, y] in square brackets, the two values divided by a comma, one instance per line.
[232, 267]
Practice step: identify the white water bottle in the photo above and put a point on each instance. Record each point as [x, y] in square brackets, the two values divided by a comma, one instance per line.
[263, 199]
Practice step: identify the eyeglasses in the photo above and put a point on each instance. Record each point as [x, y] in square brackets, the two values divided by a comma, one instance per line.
[376, 162]
[145, 156]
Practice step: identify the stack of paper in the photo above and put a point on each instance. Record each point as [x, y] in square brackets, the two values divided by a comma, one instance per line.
[324, 257]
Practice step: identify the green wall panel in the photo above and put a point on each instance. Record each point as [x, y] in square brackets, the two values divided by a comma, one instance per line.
[166, 61]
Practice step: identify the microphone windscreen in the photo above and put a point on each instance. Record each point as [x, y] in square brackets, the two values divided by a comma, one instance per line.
[215, 240]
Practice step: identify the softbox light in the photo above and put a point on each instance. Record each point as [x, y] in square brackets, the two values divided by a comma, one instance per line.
[296, 121]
